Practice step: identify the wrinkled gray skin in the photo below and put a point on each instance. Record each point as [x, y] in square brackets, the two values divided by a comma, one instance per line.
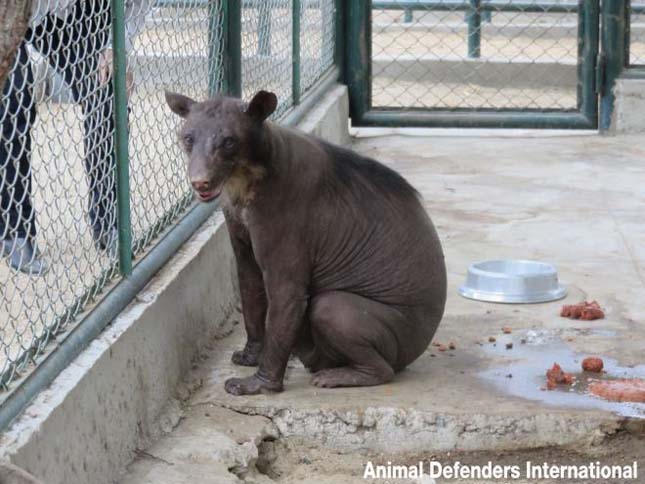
[338, 262]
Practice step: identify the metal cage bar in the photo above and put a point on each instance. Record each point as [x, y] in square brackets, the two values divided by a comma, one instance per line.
[121, 137]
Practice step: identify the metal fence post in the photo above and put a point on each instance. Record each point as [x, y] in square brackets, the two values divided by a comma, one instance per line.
[628, 32]
[233, 51]
[358, 54]
[588, 38]
[612, 59]
[121, 136]
[339, 46]
[474, 16]
[295, 52]
[215, 40]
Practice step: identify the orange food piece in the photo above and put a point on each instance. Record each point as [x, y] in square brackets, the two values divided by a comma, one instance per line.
[507, 330]
[624, 390]
[593, 364]
[556, 376]
[585, 310]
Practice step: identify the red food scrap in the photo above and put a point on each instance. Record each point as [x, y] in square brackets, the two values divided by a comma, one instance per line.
[556, 376]
[585, 310]
[507, 330]
[592, 364]
[623, 390]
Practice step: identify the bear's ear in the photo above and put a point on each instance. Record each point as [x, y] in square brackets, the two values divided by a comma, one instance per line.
[262, 105]
[179, 104]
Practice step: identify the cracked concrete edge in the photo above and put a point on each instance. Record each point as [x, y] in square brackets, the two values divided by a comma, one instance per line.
[198, 452]
[111, 399]
[404, 430]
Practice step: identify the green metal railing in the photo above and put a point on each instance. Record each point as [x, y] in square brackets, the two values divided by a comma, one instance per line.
[556, 74]
[199, 48]
[121, 137]
[452, 87]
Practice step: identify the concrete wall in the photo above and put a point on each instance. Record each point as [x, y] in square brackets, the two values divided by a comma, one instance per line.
[486, 72]
[629, 109]
[122, 391]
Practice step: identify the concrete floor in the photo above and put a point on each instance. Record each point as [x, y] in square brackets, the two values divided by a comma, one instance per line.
[573, 200]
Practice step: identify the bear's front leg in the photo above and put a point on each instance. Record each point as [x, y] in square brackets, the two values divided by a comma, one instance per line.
[285, 314]
[252, 293]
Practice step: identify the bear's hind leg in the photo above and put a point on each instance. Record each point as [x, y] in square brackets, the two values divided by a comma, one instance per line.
[355, 335]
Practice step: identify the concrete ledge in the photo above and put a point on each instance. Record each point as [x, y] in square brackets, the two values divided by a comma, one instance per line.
[629, 109]
[121, 392]
[491, 72]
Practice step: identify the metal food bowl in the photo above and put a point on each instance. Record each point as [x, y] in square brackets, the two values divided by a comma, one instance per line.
[512, 281]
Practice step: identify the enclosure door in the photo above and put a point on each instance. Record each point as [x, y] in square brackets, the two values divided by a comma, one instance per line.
[473, 63]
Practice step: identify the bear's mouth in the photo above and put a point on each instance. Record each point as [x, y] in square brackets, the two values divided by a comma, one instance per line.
[208, 196]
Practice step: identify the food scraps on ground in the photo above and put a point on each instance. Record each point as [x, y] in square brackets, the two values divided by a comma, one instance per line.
[623, 390]
[509, 346]
[452, 346]
[442, 347]
[507, 330]
[556, 376]
[585, 310]
[492, 339]
[593, 364]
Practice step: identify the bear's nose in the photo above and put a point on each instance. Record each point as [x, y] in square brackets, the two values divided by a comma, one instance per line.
[201, 185]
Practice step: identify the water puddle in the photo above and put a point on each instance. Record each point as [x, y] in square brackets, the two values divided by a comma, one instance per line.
[535, 351]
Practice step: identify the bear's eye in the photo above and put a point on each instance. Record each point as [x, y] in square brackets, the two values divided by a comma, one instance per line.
[188, 140]
[228, 143]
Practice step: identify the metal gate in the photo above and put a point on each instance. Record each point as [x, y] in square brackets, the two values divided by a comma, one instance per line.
[475, 63]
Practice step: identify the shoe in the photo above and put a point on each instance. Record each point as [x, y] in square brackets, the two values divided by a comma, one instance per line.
[23, 256]
[107, 241]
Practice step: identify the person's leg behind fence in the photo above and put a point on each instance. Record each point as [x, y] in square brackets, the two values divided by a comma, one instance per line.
[73, 46]
[17, 214]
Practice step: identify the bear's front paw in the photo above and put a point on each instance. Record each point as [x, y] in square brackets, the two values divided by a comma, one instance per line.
[249, 356]
[251, 385]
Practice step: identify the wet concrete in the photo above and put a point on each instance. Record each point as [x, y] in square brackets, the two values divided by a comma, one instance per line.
[522, 373]
[571, 200]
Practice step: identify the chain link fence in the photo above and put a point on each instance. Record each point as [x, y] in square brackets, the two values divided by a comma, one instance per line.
[59, 212]
[317, 40]
[637, 33]
[475, 55]
[267, 50]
